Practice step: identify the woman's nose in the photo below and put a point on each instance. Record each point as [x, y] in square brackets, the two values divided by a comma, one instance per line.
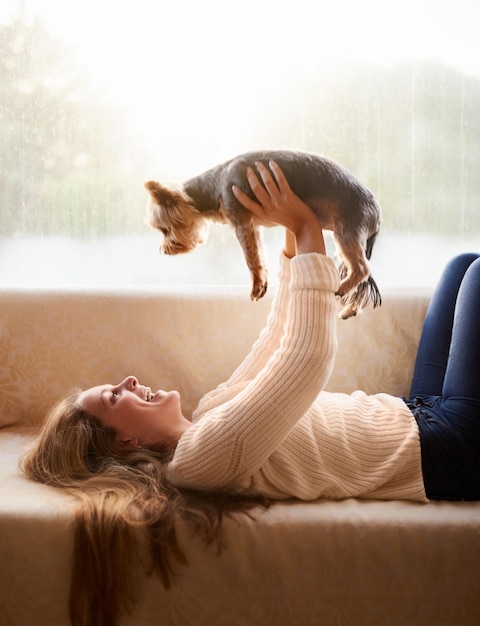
[130, 382]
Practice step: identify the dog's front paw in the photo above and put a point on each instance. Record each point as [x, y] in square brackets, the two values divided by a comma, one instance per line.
[259, 289]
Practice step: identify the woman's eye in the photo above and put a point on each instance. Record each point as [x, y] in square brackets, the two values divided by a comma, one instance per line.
[114, 395]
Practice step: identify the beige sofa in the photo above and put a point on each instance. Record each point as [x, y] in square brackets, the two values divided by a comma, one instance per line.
[348, 563]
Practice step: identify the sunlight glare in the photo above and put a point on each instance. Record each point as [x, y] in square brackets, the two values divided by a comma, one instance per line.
[189, 73]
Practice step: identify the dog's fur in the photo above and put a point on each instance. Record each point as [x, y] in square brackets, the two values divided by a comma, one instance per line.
[341, 202]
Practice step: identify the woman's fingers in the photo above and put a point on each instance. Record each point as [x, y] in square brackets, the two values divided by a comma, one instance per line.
[274, 179]
[268, 181]
[275, 200]
[277, 203]
[262, 194]
[245, 200]
[267, 195]
[279, 176]
[263, 202]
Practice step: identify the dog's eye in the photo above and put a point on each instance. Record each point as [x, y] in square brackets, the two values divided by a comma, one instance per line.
[164, 231]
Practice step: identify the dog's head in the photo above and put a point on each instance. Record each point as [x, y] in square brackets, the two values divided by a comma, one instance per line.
[173, 213]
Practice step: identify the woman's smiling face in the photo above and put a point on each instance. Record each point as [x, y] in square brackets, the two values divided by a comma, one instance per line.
[136, 414]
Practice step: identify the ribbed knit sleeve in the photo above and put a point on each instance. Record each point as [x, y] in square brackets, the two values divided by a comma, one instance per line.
[266, 344]
[233, 440]
[269, 337]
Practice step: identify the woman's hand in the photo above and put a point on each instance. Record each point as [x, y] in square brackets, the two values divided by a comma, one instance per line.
[276, 203]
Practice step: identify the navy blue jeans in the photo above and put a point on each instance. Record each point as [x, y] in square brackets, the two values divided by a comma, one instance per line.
[445, 391]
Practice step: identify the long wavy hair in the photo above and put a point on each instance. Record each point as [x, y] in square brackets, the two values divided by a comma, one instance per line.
[127, 513]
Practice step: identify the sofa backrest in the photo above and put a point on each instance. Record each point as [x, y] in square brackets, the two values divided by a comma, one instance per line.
[53, 340]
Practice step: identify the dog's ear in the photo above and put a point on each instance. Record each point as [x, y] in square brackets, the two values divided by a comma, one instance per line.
[160, 194]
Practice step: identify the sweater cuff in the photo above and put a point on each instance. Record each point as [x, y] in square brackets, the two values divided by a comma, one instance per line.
[314, 271]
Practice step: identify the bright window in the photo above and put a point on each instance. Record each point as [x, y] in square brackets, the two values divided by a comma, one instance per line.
[97, 97]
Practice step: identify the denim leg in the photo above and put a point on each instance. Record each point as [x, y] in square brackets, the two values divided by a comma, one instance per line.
[445, 393]
[434, 347]
[462, 376]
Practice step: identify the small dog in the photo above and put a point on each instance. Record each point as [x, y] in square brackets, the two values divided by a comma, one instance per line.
[341, 202]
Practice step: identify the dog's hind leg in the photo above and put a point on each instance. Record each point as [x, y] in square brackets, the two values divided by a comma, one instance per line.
[354, 267]
[354, 272]
[357, 287]
[250, 238]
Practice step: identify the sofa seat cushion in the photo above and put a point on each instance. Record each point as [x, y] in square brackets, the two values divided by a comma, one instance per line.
[346, 562]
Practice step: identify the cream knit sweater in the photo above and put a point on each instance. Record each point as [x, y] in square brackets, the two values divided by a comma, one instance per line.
[271, 429]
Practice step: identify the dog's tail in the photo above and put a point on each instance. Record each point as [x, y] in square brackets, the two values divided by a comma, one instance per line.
[365, 293]
[372, 288]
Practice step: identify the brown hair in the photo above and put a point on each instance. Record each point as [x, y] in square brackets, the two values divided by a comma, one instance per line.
[125, 504]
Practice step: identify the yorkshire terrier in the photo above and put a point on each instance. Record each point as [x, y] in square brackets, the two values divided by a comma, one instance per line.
[340, 201]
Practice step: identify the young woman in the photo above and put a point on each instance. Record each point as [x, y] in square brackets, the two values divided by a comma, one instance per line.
[271, 431]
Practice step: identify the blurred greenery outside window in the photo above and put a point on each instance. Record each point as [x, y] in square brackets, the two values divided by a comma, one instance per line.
[75, 152]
